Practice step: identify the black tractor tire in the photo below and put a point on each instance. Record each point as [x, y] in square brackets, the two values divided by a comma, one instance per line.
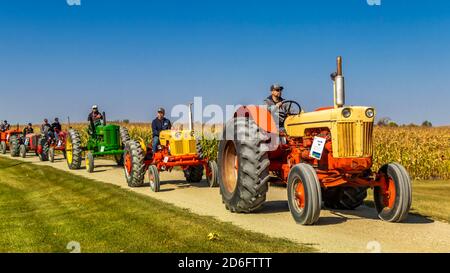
[212, 179]
[51, 154]
[14, 146]
[124, 135]
[344, 198]
[401, 181]
[76, 152]
[243, 166]
[43, 156]
[134, 166]
[153, 176]
[199, 148]
[3, 147]
[23, 151]
[90, 162]
[306, 211]
[194, 174]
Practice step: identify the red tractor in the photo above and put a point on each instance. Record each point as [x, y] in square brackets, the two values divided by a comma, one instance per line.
[5, 139]
[57, 144]
[324, 155]
[21, 145]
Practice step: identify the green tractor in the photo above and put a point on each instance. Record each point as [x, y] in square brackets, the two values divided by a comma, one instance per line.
[104, 140]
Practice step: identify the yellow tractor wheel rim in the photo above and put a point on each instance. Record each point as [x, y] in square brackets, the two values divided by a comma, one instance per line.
[69, 154]
[87, 162]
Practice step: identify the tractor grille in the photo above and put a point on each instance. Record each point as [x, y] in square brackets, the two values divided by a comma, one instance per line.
[354, 139]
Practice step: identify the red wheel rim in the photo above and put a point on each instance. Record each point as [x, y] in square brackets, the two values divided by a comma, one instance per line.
[299, 194]
[128, 163]
[389, 192]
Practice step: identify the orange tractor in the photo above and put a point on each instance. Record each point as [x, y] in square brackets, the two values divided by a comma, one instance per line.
[324, 155]
[178, 148]
[5, 139]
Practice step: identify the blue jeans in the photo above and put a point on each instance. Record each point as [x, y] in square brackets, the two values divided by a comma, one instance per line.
[155, 143]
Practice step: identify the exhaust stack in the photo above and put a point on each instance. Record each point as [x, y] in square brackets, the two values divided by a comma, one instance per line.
[191, 118]
[339, 85]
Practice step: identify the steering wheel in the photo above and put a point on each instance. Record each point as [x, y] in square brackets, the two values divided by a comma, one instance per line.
[289, 108]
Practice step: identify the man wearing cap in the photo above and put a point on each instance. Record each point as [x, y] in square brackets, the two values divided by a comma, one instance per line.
[28, 130]
[5, 126]
[46, 128]
[274, 103]
[159, 124]
[56, 126]
[95, 116]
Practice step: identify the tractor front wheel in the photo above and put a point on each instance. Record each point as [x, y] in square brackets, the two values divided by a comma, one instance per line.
[51, 154]
[153, 175]
[23, 151]
[304, 194]
[3, 147]
[89, 162]
[134, 165]
[212, 176]
[14, 146]
[44, 148]
[393, 198]
[73, 150]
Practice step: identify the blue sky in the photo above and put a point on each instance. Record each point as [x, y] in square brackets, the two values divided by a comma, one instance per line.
[132, 56]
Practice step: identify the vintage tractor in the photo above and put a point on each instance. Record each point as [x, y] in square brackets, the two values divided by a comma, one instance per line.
[20, 145]
[57, 144]
[104, 140]
[5, 139]
[178, 148]
[325, 155]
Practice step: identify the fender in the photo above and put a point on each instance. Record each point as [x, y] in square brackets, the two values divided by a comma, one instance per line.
[261, 115]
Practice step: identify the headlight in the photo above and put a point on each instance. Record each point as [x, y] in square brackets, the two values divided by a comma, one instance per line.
[370, 113]
[346, 113]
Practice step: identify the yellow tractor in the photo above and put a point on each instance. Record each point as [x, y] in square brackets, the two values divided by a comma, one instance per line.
[324, 155]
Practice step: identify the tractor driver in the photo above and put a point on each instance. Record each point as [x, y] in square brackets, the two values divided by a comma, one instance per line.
[5, 126]
[28, 130]
[274, 103]
[159, 124]
[56, 126]
[95, 116]
[46, 129]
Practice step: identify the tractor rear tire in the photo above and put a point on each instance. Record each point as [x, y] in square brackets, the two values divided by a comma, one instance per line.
[3, 147]
[394, 201]
[153, 175]
[14, 146]
[244, 166]
[124, 135]
[51, 154]
[90, 162]
[119, 159]
[43, 156]
[134, 166]
[304, 194]
[74, 151]
[344, 198]
[194, 174]
[212, 178]
[23, 151]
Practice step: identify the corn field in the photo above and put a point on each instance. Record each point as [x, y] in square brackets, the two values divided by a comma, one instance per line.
[425, 152]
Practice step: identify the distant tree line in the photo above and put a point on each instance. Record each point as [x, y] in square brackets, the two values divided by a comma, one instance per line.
[388, 122]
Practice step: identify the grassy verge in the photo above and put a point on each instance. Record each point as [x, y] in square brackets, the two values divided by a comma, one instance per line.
[431, 198]
[43, 209]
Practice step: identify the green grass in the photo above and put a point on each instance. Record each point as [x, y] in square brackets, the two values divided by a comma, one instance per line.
[43, 209]
[431, 198]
